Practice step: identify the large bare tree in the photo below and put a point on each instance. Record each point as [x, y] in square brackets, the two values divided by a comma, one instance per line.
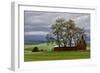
[65, 33]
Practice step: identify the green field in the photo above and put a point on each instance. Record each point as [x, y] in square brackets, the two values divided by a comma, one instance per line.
[43, 46]
[48, 54]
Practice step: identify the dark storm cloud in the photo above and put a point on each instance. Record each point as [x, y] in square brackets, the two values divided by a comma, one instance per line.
[29, 28]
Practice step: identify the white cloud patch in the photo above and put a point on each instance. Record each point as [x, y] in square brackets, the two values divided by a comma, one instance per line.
[36, 33]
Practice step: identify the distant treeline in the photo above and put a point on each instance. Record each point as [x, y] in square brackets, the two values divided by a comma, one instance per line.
[35, 42]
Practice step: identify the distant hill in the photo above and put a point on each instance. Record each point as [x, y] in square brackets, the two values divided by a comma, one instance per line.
[35, 38]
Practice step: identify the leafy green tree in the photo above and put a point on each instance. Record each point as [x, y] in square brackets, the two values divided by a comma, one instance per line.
[35, 49]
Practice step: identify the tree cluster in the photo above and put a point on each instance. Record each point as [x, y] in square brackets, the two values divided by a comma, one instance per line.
[65, 33]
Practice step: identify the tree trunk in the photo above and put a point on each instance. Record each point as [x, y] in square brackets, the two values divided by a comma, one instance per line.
[70, 41]
[58, 42]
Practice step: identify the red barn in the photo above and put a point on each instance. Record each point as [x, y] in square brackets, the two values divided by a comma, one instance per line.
[80, 46]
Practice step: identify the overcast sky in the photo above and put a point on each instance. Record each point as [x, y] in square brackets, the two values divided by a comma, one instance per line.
[39, 23]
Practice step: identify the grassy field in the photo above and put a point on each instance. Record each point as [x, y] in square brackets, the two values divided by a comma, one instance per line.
[43, 46]
[48, 54]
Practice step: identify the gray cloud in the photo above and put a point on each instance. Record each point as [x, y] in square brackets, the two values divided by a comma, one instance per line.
[41, 21]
